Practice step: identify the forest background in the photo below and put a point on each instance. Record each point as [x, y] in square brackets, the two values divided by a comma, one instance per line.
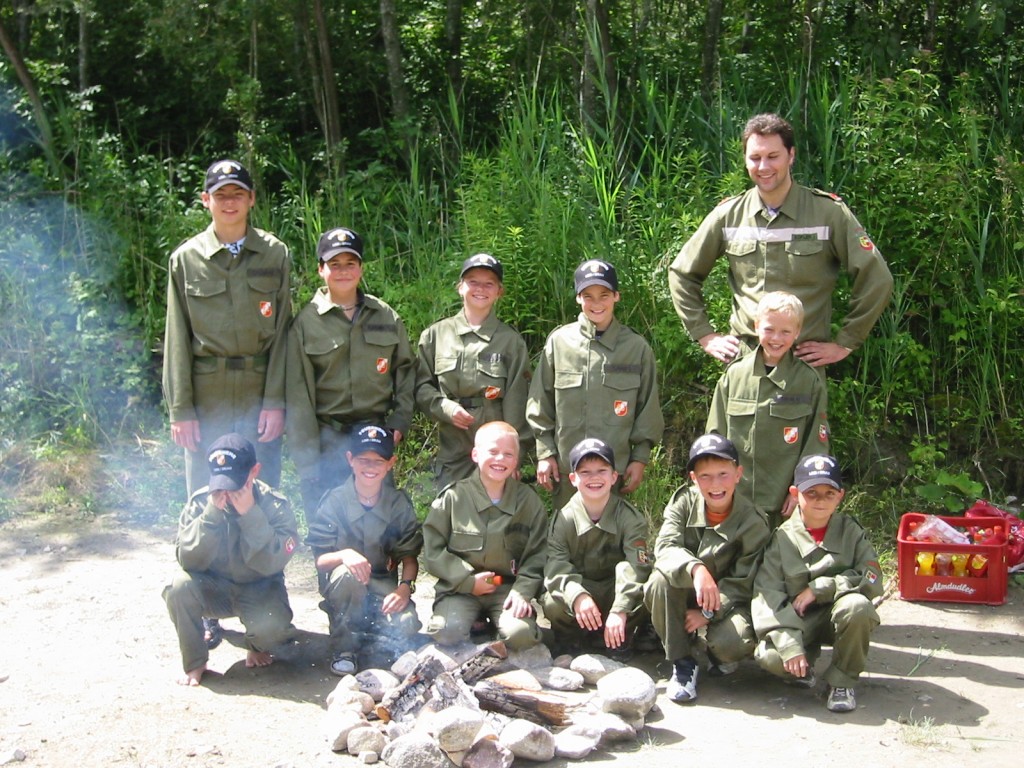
[543, 132]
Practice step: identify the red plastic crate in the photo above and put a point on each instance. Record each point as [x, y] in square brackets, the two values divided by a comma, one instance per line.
[989, 588]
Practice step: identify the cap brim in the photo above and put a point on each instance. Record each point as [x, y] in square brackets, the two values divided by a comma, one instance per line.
[806, 484]
[595, 281]
[335, 251]
[495, 270]
[224, 483]
[228, 183]
[710, 454]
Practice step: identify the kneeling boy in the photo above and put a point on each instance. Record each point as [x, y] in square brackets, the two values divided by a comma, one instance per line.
[597, 555]
[816, 584]
[487, 526]
[363, 530]
[705, 557]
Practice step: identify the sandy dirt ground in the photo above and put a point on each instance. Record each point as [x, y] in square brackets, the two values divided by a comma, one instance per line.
[89, 659]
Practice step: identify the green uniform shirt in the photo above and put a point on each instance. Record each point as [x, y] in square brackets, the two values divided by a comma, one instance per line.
[239, 548]
[218, 306]
[590, 385]
[486, 370]
[582, 552]
[844, 563]
[800, 250]
[465, 533]
[730, 551]
[774, 419]
[346, 371]
[385, 535]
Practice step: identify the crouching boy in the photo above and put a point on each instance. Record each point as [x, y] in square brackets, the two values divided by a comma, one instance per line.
[485, 539]
[815, 585]
[364, 530]
[235, 537]
[597, 556]
[705, 558]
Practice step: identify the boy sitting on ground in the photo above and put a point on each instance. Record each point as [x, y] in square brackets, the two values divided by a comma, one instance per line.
[597, 556]
[705, 557]
[364, 530]
[816, 583]
[479, 529]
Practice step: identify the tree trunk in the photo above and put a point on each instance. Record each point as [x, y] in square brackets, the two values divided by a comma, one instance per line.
[393, 55]
[453, 42]
[709, 59]
[83, 45]
[328, 85]
[39, 113]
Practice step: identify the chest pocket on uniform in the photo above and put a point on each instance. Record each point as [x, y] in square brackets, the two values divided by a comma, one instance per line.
[790, 411]
[743, 260]
[263, 283]
[492, 372]
[204, 288]
[445, 369]
[381, 336]
[465, 541]
[568, 397]
[805, 261]
[623, 388]
[319, 345]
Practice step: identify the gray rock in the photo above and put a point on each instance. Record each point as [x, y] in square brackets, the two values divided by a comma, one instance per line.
[367, 739]
[628, 692]
[528, 740]
[403, 664]
[346, 699]
[394, 729]
[338, 723]
[559, 679]
[594, 666]
[488, 753]
[534, 657]
[14, 756]
[376, 682]
[456, 728]
[517, 678]
[575, 745]
[448, 657]
[368, 757]
[562, 662]
[606, 727]
[415, 750]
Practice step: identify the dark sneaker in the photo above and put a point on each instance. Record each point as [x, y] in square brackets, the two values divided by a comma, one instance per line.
[212, 633]
[682, 686]
[841, 700]
[807, 681]
[722, 668]
[646, 640]
[343, 664]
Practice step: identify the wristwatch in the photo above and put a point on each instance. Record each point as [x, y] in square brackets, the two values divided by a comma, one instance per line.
[410, 584]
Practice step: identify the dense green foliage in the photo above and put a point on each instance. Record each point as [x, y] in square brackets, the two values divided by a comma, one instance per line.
[918, 128]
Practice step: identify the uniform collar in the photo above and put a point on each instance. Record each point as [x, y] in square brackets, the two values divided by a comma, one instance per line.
[322, 301]
[354, 509]
[803, 540]
[607, 338]
[485, 331]
[782, 373]
[209, 246]
[731, 525]
[482, 501]
[581, 519]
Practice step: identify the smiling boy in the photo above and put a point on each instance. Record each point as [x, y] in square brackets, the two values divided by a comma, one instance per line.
[598, 559]
[485, 539]
[773, 407]
[594, 377]
[816, 584]
[705, 557]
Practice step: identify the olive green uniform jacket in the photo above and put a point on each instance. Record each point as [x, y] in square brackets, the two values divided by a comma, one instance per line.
[845, 563]
[585, 557]
[465, 533]
[590, 385]
[343, 371]
[485, 370]
[801, 250]
[774, 419]
[225, 339]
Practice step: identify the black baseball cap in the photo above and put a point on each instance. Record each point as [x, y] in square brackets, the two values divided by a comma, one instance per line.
[370, 437]
[231, 459]
[817, 470]
[340, 240]
[596, 272]
[224, 172]
[483, 261]
[712, 444]
[590, 446]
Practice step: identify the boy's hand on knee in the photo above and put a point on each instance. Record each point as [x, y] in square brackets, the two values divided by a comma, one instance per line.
[803, 601]
[694, 620]
[797, 666]
[615, 629]
[587, 614]
[708, 596]
[483, 583]
[357, 565]
[518, 605]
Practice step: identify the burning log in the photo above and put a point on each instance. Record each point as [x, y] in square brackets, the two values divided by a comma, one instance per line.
[541, 708]
[412, 692]
[480, 663]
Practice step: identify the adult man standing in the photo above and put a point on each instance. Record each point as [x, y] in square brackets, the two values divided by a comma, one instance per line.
[228, 308]
[781, 236]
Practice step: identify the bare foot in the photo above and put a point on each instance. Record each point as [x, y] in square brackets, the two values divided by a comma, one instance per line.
[258, 659]
[192, 677]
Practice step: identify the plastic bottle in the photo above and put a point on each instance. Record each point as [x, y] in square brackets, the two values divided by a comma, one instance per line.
[978, 565]
[937, 530]
[496, 579]
[943, 564]
[959, 564]
[925, 563]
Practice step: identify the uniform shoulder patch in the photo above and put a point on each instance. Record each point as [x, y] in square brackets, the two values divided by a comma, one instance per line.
[830, 195]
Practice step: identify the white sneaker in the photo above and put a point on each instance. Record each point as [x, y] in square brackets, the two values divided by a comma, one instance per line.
[682, 686]
[841, 700]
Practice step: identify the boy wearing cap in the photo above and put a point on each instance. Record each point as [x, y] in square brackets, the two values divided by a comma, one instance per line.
[485, 539]
[597, 555]
[228, 308]
[773, 406]
[235, 537]
[816, 584]
[472, 369]
[594, 377]
[706, 554]
[349, 362]
[365, 530]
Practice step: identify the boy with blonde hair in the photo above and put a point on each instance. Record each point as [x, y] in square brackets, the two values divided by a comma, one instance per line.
[772, 406]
